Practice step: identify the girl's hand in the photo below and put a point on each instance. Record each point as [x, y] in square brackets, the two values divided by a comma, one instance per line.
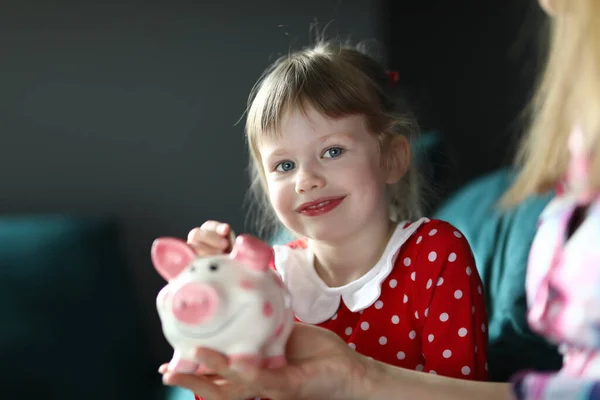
[212, 237]
[320, 366]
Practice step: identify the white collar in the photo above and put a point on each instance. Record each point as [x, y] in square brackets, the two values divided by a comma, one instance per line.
[313, 301]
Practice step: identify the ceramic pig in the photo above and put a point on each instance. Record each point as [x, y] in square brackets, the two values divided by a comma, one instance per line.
[233, 303]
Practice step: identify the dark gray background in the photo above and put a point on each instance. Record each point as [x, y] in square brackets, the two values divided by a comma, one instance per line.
[129, 108]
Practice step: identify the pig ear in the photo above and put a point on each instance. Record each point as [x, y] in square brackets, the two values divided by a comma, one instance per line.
[170, 256]
[253, 252]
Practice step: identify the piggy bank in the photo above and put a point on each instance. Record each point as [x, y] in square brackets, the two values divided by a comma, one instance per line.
[232, 303]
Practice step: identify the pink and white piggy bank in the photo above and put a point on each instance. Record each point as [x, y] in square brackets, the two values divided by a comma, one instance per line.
[234, 303]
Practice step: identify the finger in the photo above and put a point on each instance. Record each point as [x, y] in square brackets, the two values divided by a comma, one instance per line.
[239, 374]
[204, 233]
[216, 378]
[239, 371]
[216, 362]
[203, 249]
[226, 370]
[223, 229]
[198, 236]
[163, 368]
[220, 227]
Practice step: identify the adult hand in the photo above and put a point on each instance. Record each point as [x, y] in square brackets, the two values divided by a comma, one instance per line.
[320, 366]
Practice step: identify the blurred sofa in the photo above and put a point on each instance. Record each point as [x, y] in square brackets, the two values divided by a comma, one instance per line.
[500, 240]
[68, 328]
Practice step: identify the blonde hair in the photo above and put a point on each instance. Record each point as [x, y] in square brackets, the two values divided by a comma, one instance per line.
[568, 95]
[337, 80]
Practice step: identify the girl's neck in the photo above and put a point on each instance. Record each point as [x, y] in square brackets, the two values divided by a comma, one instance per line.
[342, 263]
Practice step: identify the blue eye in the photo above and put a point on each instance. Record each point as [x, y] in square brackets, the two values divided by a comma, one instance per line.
[333, 152]
[285, 166]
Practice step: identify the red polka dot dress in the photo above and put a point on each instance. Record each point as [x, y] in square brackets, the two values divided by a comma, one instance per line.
[420, 307]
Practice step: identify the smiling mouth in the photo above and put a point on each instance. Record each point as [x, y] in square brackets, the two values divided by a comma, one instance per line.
[218, 329]
[320, 206]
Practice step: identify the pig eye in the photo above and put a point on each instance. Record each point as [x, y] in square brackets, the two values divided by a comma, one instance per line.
[192, 268]
[213, 267]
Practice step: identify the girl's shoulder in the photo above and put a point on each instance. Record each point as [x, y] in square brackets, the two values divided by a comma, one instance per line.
[436, 229]
[434, 241]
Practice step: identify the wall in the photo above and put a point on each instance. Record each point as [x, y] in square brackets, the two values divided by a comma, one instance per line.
[130, 108]
[468, 68]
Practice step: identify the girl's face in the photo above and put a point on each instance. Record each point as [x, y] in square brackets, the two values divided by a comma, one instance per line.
[325, 178]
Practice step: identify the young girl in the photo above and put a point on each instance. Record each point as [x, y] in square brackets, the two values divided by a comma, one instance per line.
[331, 157]
[563, 278]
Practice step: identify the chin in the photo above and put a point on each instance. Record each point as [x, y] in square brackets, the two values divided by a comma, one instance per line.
[327, 228]
[326, 233]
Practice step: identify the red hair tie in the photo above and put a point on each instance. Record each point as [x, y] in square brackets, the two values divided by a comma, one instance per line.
[393, 76]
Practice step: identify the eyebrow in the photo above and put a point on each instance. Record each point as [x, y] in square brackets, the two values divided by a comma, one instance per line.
[281, 152]
[344, 135]
[274, 154]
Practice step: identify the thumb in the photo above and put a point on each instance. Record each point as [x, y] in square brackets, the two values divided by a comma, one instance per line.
[223, 229]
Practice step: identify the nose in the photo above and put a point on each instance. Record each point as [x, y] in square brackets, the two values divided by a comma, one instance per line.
[309, 179]
[195, 303]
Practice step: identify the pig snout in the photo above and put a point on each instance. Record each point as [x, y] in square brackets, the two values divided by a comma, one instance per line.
[195, 303]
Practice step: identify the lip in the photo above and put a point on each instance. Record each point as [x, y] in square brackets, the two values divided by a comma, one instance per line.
[327, 204]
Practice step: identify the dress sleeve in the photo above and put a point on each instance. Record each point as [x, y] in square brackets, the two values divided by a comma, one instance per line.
[454, 327]
[549, 386]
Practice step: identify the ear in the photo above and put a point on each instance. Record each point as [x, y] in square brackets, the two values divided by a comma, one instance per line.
[253, 252]
[396, 158]
[170, 256]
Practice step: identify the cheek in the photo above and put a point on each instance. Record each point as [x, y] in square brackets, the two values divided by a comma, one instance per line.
[279, 196]
[364, 173]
